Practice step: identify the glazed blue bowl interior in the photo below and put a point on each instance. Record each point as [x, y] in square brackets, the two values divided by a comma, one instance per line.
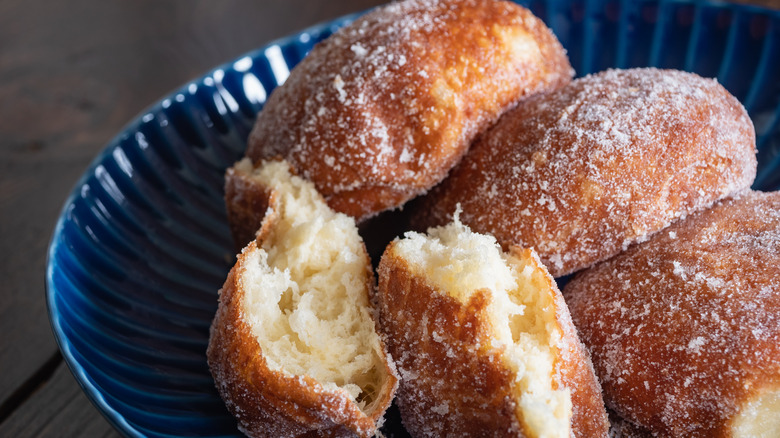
[142, 245]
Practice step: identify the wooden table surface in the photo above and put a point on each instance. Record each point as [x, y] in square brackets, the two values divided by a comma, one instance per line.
[71, 75]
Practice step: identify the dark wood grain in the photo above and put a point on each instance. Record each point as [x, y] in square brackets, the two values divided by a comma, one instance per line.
[58, 409]
[71, 75]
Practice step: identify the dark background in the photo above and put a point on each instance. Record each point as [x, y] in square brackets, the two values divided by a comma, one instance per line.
[72, 74]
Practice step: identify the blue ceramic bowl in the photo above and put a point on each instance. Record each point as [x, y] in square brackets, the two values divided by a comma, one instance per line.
[142, 245]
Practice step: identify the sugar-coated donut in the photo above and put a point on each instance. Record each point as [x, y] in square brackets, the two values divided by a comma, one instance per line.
[582, 172]
[247, 199]
[483, 341]
[294, 350]
[684, 329]
[380, 111]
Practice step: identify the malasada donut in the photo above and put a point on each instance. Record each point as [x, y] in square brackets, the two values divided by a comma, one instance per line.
[380, 111]
[582, 172]
[483, 341]
[684, 329]
[294, 350]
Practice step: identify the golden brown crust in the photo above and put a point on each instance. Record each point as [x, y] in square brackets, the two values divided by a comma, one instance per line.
[582, 172]
[247, 203]
[452, 382]
[474, 405]
[269, 403]
[573, 366]
[380, 112]
[684, 328]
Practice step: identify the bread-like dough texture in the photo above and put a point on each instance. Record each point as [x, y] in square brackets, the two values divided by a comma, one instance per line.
[483, 341]
[293, 348]
[380, 111]
[684, 329]
[584, 171]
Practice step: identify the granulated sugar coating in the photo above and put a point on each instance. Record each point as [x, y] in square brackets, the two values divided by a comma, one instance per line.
[582, 172]
[483, 341]
[382, 110]
[293, 347]
[684, 329]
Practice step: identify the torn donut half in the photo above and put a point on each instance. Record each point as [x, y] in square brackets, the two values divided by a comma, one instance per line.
[483, 340]
[293, 348]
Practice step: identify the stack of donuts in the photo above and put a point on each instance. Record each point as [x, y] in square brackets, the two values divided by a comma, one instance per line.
[458, 123]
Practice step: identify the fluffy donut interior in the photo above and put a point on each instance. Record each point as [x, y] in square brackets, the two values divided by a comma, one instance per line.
[458, 262]
[759, 417]
[306, 294]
